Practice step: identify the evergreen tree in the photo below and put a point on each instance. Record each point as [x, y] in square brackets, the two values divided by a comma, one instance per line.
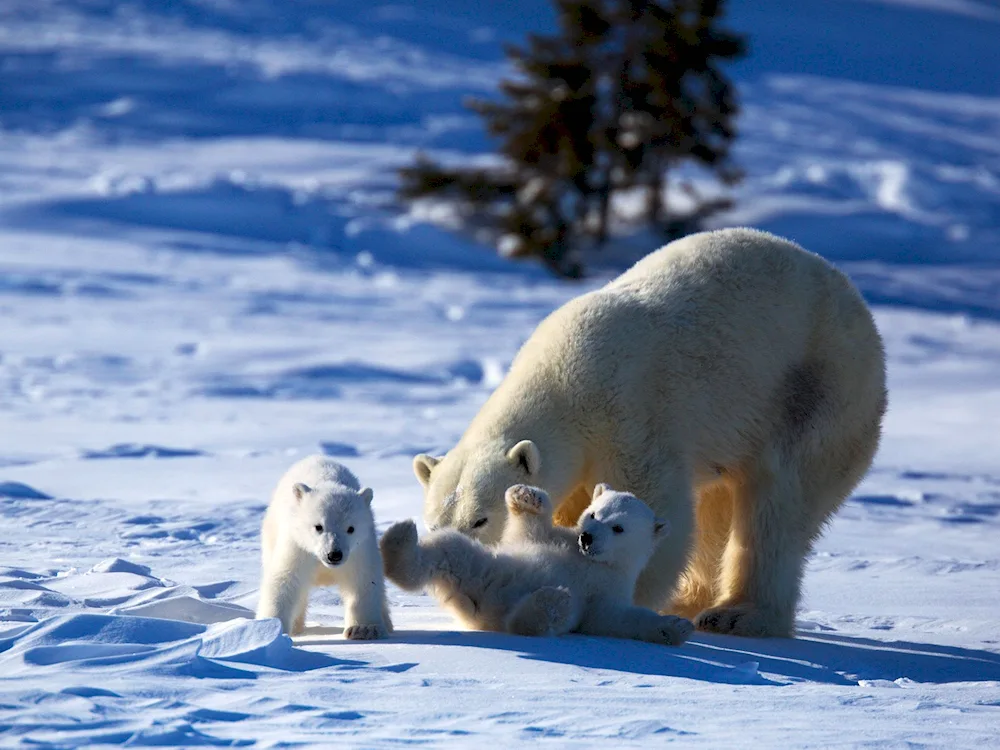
[626, 91]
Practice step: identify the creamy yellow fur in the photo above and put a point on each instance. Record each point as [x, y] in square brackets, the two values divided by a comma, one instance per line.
[731, 379]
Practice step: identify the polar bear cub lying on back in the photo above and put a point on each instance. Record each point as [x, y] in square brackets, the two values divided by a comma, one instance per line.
[319, 531]
[542, 580]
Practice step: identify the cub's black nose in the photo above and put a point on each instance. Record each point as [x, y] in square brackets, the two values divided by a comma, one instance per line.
[335, 557]
[586, 539]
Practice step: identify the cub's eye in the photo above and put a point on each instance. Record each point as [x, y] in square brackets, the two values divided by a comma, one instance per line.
[593, 515]
[319, 528]
[480, 523]
[350, 529]
[617, 529]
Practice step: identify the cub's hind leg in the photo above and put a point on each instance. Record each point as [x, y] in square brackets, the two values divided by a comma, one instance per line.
[636, 623]
[402, 560]
[551, 610]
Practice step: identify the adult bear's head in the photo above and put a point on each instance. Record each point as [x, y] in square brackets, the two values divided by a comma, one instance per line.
[464, 490]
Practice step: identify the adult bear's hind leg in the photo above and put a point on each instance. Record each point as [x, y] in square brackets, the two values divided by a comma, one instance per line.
[763, 559]
[781, 503]
[698, 586]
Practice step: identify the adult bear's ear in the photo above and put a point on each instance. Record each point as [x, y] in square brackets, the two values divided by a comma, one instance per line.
[661, 529]
[366, 494]
[600, 489]
[423, 465]
[526, 455]
[299, 490]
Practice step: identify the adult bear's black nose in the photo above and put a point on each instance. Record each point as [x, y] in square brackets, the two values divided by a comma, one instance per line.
[586, 539]
[335, 557]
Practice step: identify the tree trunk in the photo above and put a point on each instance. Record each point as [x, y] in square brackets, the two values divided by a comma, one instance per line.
[655, 208]
[604, 214]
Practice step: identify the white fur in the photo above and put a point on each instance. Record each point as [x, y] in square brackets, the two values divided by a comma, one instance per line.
[731, 379]
[537, 583]
[318, 491]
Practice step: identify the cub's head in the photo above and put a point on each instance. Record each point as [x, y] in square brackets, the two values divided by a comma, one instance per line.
[464, 490]
[619, 529]
[330, 520]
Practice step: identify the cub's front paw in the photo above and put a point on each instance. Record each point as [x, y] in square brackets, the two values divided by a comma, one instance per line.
[672, 631]
[365, 632]
[522, 499]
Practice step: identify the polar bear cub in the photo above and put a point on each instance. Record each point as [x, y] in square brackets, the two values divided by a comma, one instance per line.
[538, 582]
[319, 531]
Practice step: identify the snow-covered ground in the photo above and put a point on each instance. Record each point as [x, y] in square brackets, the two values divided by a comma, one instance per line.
[202, 279]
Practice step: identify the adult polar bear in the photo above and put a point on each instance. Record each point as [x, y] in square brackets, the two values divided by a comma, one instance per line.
[731, 379]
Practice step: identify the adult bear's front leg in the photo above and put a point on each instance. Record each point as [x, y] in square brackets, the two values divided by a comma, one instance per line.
[762, 565]
[668, 491]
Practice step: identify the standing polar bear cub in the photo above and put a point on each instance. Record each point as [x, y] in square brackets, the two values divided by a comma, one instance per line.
[731, 379]
[542, 580]
[319, 531]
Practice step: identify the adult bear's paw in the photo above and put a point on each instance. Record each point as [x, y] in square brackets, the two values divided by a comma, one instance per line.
[741, 619]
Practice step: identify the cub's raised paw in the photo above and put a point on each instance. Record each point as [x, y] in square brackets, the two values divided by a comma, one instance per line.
[741, 619]
[526, 500]
[673, 631]
[365, 632]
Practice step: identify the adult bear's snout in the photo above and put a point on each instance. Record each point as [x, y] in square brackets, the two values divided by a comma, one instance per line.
[335, 557]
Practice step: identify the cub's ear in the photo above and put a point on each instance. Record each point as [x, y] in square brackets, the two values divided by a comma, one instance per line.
[526, 455]
[661, 529]
[366, 494]
[600, 489]
[299, 489]
[423, 465]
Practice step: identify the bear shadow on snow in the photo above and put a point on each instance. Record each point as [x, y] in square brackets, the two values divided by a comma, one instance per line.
[842, 659]
[810, 657]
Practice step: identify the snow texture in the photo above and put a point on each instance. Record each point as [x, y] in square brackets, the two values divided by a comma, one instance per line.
[203, 278]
